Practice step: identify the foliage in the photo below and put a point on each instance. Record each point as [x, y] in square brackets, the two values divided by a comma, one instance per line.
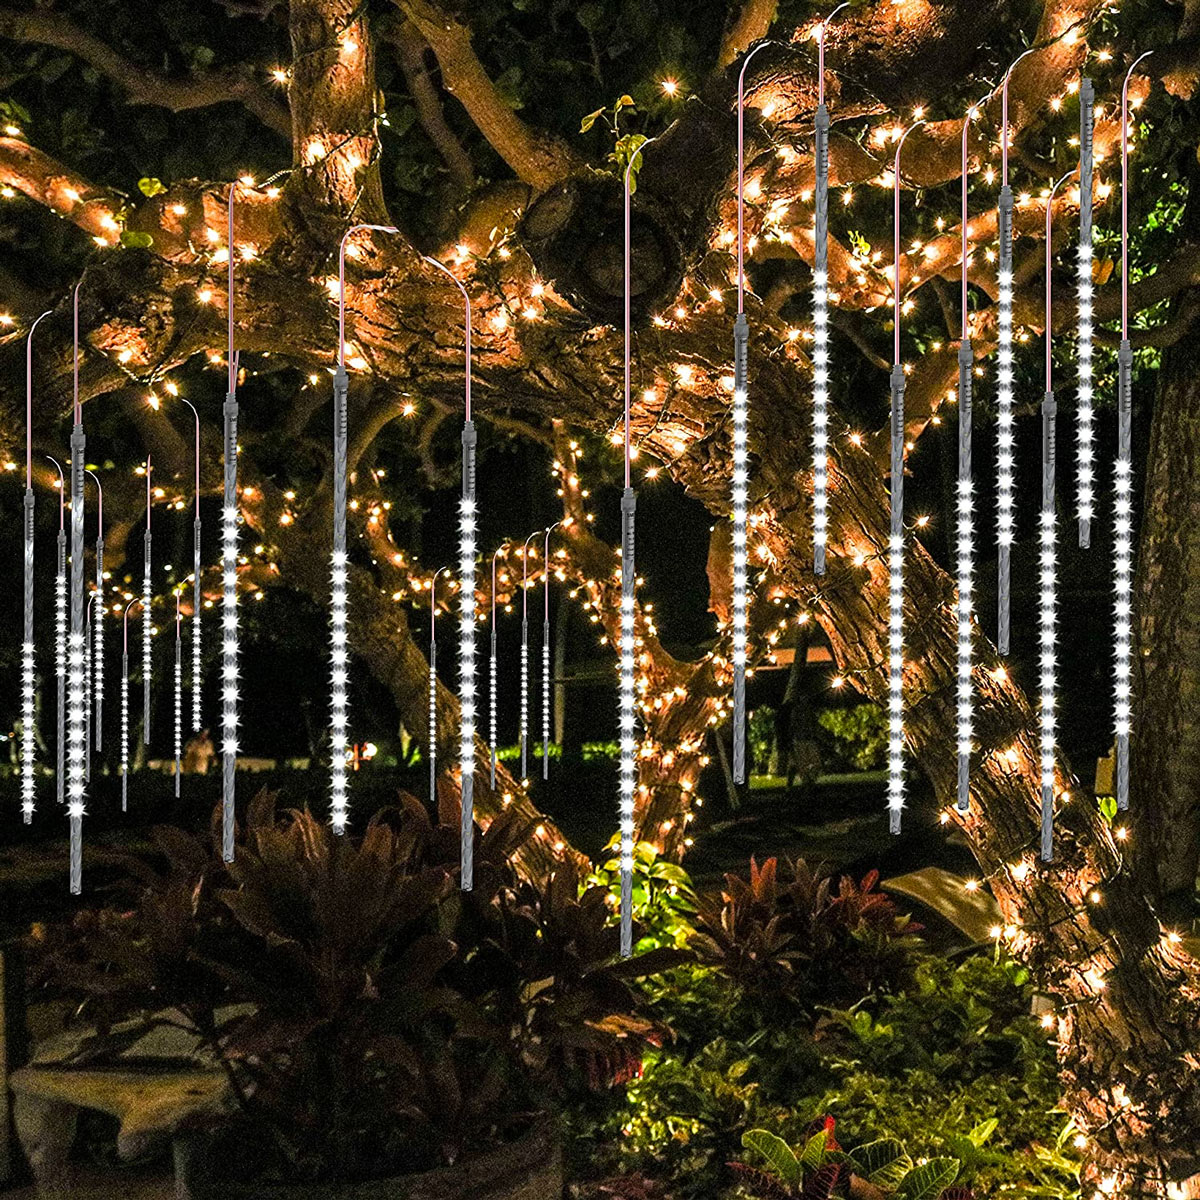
[664, 903]
[950, 1066]
[760, 738]
[776, 940]
[818, 1169]
[374, 1018]
[859, 734]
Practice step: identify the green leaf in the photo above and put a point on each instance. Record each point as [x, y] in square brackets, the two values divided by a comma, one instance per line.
[813, 1155]
[777, 1152]
[135, 239]
[149, 186]
[884, 1162]
[590, 120]
[984, 1130]
[929, 1180]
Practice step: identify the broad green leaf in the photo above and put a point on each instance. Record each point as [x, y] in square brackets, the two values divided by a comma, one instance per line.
[813, 1155]
[590, 120]
[777, 1152]
[984, 1130]
[929, 1180]
[875, 1156]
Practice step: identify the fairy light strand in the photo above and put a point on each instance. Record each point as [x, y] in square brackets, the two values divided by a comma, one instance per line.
[60, 635]
[339, 579]
[125, 705]
[1123, 488]
[197, 596]
[1085, 447]
[1047, 566]
[546, 654]
[896, 535]
[89, 662]
[627, 713]
[28, 679]
[467, 527]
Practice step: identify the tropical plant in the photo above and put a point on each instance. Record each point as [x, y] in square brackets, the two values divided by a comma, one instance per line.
[664, 900]
[782, 941]
[819, 1169]
[372, 1018]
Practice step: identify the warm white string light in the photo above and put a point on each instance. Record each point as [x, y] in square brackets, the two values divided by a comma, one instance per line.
[433, 723]
[896, 536]
[467, 524]
[1123, 487]
[28, 681]
[524, 708]
[1047, 565]
[77, 699]
[60, 634]
[147, 621]
[492, 684]
[627, 712]
[178, 696]
[1085, 448]
[339, 631]
[125, 705]
[546, 654]
[820, 356]
[98, 621]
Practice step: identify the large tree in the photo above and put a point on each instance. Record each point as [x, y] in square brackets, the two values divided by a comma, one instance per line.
[530, 219]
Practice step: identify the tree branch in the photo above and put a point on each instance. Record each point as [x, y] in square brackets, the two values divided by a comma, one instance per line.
[35, 174]
[235, 84]
[535, 158]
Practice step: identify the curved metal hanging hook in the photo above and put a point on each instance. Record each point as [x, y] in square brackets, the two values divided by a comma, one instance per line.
[546, 566]
[29, 399]
[445, 270]
[896, 233]
[1125, 194]
[125, 620]
[1004, 113]
[1049, 257]
[78, 411]
[821, 51]
[341, 285]
[62, 489]
[525, 573]
[629, 167]
[433, 602]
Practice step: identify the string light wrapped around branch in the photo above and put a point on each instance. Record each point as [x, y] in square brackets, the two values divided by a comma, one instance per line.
[1123, 487]
[339, 633]
[467, 525]
[896, 535]
[28, 680]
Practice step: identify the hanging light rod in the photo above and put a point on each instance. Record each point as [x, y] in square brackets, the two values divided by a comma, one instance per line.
[492, 684]
[896, 538]
[77, 700]
[821, 309]
[28, 681]
[467, 524]
[98, 659]
[60, 634]
[546, 653]
[147, 622]
[627, 715]
[524, 726]
[1047, 568]
[339, 635]
[125, 704]
[1123, 487]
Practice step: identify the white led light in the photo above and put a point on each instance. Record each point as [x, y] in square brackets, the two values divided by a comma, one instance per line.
[60, 639]
[98, 649]
[433, 722]
[820, 354]
[1123, 492]
[1085, 448]
[523, 729]
[125, 731]
[77, 694]
[492, 685]
[546, 693]
[147, 622]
